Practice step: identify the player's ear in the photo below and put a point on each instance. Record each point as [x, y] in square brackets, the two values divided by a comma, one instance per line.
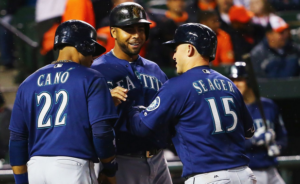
[113, 32]
[190, 50]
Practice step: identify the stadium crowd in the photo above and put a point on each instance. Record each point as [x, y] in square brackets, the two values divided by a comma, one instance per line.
[242, 26]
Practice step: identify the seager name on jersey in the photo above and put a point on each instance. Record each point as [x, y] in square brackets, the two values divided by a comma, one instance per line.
[203, 86]
[47, 79]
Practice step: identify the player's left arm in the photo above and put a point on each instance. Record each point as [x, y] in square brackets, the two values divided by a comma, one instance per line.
[18, 144]
[157, 115]
[102, 116]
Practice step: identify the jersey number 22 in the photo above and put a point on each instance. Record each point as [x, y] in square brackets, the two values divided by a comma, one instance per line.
[59, 121]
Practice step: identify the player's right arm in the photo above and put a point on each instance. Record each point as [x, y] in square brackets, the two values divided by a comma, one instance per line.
[102, 115]
[18, 143]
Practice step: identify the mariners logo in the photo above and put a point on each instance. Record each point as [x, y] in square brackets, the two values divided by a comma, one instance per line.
[136, 12]
[154, 105]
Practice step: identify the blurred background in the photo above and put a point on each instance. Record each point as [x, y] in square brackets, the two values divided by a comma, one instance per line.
[268, 30]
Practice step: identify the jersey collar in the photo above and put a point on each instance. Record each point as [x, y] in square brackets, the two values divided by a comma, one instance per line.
[138, 61]
[197, 68]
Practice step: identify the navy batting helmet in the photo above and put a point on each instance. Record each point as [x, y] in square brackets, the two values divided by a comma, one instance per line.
[79, 34]
[238, 70]
[199, 35]
[129, 13]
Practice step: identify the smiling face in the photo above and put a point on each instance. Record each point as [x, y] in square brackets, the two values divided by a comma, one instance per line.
[130, 38]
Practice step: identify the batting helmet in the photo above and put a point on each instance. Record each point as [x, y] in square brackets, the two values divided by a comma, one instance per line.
[199, 35]
[129, 13]
[79, 34]
[238, 70]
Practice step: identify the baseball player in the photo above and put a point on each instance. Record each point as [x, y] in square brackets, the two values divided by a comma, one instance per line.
[259, 148]
[133, 80]
[62, 115]
[212, 120]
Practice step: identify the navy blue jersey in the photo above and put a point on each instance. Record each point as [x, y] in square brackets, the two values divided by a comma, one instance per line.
[258, 155]
[143, 79]
[211, 120]
[56, 107]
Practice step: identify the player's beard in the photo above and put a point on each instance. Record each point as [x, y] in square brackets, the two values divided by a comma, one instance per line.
[127, 51]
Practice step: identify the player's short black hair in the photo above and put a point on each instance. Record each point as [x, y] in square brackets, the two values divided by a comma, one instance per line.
[60, 47]
[204, 15]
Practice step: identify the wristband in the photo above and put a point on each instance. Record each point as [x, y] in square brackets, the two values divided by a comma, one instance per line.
[21, 178]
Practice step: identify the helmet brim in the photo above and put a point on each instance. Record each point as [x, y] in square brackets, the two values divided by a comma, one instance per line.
[99, 49]
[172, 44]
[132, 21]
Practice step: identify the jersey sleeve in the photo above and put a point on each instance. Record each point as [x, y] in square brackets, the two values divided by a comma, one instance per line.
[160, 113]
[100, 103]
[17, 121]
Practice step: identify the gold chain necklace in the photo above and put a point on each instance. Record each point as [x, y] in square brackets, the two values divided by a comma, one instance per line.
[62, 61]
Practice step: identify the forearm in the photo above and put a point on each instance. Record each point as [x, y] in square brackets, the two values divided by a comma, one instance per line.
[136, 126]
[18, 149]
[103, 138]
[18, 153]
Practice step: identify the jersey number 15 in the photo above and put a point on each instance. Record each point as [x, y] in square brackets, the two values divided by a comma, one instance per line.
[59, 121]
[227, 112]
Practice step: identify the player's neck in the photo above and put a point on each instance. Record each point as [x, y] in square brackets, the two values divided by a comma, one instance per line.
[249, 97]
[119, 53]
[196, 62]
[69, 53]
